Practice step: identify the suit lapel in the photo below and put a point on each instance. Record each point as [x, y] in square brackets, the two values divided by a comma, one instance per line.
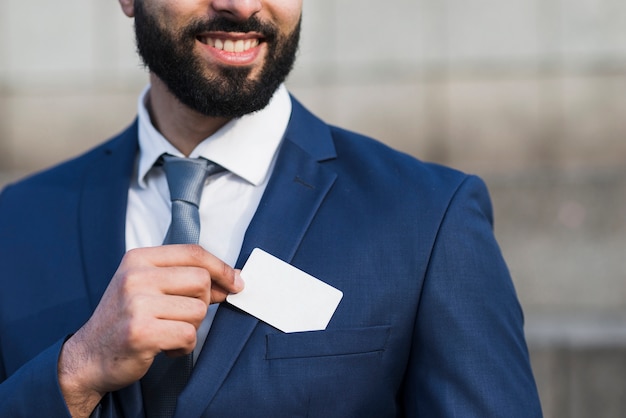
[294, 194]
[103, 211]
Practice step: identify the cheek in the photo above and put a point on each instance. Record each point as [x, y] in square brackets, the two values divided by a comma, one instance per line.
[288, 12]
[174, 14]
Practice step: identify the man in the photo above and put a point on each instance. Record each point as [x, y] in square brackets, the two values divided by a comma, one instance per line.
[429, 324]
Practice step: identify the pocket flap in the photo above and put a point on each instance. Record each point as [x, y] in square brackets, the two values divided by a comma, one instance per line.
[327, 343]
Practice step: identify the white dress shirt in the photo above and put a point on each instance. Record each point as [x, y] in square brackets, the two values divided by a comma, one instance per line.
[246, 147]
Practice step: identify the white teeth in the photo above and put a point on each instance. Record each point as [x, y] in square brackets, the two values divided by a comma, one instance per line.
[229, 45]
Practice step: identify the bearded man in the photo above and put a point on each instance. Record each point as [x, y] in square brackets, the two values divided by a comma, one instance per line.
[113, 302]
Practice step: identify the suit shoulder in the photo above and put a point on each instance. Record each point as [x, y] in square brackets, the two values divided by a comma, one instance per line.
[391, 166]
[70, 172]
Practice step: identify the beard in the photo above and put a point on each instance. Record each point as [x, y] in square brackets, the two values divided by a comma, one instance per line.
[228, 92]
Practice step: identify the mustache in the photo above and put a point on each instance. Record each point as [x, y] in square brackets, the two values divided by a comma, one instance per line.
[222, 24]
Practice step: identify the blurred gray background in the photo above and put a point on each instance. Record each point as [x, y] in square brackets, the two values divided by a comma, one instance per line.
[529, 94]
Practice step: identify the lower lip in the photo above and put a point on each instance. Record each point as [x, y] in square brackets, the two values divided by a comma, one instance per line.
[244, 58]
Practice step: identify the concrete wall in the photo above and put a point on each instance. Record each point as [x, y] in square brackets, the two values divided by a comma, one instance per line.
[530, 94]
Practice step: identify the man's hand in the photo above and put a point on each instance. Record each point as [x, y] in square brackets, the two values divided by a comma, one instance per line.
[155, 302]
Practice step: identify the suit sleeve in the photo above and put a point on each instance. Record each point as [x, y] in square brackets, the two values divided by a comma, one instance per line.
[33, 390]
[469, 356]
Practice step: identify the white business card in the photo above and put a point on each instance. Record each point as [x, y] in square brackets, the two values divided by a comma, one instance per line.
[283, 296]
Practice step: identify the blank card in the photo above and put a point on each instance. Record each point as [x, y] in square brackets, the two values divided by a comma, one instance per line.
[283, 296]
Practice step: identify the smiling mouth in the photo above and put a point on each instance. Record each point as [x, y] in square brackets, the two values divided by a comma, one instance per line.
[230, 45]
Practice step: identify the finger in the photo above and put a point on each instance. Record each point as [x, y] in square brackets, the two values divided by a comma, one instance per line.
[153, 335]
[222, 275]
[168, 307]
[181, 308]
[194, 256]
[218, 295]
[175, 337]
[194, 282]
[180, 281]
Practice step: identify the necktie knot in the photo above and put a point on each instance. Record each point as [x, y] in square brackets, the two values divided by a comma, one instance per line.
[185, 179]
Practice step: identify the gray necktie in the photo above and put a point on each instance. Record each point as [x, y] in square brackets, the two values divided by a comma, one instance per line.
[167, 376]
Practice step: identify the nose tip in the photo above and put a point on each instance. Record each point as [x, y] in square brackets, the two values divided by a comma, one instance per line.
[237, 9]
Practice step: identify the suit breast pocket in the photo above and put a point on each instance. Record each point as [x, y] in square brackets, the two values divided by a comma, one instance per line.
[329, 343]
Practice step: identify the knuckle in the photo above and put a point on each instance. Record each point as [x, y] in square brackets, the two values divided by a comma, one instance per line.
[203, 292]
[198, 309]
[137, 305]
[127, 281]
[228, 273]
[203, 280]
[196, 251]
[199, 281]
[136, 332]
[132, 256]
[188, 335]
[136, 279]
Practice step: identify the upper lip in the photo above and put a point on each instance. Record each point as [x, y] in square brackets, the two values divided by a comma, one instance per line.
[230, 35]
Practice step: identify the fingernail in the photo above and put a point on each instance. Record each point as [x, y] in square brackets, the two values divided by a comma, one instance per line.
[239, 283]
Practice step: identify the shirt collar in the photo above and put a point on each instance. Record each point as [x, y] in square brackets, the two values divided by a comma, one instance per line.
[244, 146]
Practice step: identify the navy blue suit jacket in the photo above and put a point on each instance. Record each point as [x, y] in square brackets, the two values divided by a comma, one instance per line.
[429, 324]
